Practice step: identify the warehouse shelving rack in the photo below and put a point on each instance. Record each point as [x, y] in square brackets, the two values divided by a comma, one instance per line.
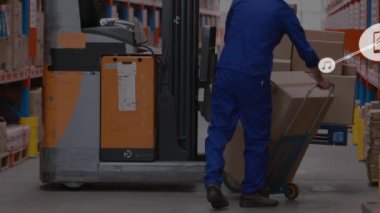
[149, 12]
[353, 17]
[20, 75]
[27, 72]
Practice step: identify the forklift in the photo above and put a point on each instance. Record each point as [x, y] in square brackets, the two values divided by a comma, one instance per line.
[116, 110]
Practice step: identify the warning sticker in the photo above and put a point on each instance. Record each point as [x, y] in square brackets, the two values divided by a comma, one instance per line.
[127, 86]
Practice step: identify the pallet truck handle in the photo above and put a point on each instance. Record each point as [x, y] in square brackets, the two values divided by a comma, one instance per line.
[331, 92]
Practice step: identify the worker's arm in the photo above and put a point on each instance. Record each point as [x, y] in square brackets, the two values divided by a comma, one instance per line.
[294, 30]
[228, 19]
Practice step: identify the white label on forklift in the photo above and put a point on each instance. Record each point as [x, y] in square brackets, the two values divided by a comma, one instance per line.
[127, 86]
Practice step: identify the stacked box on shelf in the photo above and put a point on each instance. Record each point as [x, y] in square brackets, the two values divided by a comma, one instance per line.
[39, 60]
[373, 145]
[367, 126]
[17, 143]
[357, 14]
[351, 19]
[20, 41]
[14, 51]
[374, 11]
[6, 61]
[363, 14]
[17, 137]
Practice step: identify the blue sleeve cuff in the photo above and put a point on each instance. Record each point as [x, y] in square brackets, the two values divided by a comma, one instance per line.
[312, 60]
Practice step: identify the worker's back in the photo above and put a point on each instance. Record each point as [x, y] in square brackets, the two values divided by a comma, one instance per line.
[253, 29]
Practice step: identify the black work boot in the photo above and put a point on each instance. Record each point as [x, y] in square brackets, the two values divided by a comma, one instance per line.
[256, 200]
[216, 197]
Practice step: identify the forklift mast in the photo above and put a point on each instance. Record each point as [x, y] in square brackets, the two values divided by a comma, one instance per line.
[179, 83]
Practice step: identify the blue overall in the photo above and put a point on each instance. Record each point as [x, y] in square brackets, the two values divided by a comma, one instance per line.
[242, 90]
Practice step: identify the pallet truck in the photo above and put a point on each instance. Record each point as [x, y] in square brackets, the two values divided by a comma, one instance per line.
[286, 154]
[114, 109]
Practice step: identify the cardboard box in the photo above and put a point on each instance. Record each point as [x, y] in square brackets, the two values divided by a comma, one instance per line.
[35, 107]
[9, 54]
[341, 111]
[348, 70]
[284, 49]
[39, 60]
[288, 93]
[17, 137]
[331, 49]
[325, 35]
[281, 65]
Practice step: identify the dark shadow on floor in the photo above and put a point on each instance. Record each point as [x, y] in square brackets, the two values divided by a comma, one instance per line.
[123, 187]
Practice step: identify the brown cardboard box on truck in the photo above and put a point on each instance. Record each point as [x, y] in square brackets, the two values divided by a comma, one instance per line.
[331, 49]
[341, 111]
[281, 65]
[324, 35]
[288, 93]
[284, 49]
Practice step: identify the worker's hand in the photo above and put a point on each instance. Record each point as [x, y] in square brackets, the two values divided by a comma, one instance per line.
[324, 84]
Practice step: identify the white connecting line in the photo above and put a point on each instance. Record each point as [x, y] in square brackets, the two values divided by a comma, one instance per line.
[355, 53]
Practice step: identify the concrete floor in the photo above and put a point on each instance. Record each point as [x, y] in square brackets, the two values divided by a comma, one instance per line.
[330, 178]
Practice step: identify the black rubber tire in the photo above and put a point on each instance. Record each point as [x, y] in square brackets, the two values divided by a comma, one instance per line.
[73, 186]
[293, 192]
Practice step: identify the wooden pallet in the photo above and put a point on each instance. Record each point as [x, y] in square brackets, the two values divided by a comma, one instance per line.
[4, 161]
[18, 156]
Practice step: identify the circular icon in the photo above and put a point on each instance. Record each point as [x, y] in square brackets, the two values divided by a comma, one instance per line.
[369, 43]
[327, 65]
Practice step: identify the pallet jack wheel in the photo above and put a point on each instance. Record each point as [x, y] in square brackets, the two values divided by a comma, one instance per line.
[230, 182]
[293, 191]
[73, 186]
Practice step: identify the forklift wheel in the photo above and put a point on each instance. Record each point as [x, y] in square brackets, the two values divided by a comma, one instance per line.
[73, 186]
[232, 184]
[293, 191]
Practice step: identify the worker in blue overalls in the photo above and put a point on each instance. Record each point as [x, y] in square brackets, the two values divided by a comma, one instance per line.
[242, 90]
